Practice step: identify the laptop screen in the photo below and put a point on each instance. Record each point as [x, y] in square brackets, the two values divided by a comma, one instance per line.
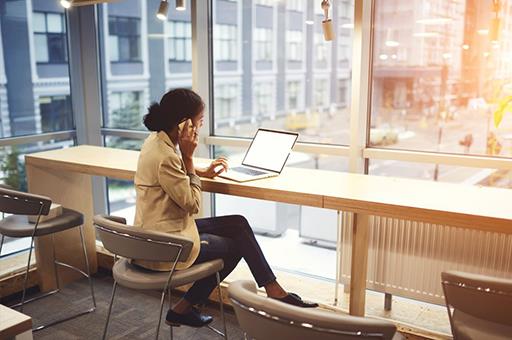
[270, 149]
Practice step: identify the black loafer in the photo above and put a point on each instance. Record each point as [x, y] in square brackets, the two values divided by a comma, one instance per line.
[194, 318]
[294, 299]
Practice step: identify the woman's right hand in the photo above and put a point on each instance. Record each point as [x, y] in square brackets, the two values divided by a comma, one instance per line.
[187, 140]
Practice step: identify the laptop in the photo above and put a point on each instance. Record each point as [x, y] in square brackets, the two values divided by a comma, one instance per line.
[266, 156]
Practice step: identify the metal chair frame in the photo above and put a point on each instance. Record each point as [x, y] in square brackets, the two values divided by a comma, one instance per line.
[167, 287]
[303, 325]
[55, 263]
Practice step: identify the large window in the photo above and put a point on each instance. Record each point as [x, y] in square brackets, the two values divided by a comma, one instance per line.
[180, 41]
[50, 38]
[306, 105]
[440, 71]
[124, 39]
[299, 94]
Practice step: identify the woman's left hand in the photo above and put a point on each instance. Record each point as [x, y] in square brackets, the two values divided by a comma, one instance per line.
[215, 168]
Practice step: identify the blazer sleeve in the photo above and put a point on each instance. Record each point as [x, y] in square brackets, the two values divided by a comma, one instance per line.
[184, 189]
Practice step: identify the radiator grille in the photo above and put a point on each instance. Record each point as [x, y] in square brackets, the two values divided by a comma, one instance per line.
[406, 258]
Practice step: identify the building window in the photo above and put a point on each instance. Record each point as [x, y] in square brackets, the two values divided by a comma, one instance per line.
[342, 92]
[56, 113]
[343, 53]
[124, 39]
[50, 38]
[320, 49]
[180, 41]
[225, 42]
[226, 100]
[263, 99]
[294, 45]
[263, 44]
[345, 9]
[293, 89]
[125, 110]
[321, 93]
[295, 5]
[265, 2]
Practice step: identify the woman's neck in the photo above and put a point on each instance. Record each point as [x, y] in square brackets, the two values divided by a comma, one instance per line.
[173, 135]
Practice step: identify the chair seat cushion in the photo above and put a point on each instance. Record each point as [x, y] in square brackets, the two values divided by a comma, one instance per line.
[19, 226]
[133, 276]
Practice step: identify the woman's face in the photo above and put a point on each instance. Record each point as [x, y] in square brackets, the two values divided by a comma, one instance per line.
[198, 120]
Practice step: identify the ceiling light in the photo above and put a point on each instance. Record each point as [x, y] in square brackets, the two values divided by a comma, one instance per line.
[162, 10]
[483, 31]
[392, 43]
[310, 22]
[350, 26]
[383, 57]
[180, 5]
[66, 3]
[465, 46]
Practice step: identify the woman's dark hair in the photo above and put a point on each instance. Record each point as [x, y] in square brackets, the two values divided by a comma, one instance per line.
[175, 107]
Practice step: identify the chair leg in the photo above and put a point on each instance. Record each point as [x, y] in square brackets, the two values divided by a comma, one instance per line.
[1, 244]
[26, 274]
[170, 306]
[55, 264]
[86, 260]
[162, 300]
[109, 310]
[221, 303]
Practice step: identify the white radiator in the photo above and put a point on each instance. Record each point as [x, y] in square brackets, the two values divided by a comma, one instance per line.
[406, 258]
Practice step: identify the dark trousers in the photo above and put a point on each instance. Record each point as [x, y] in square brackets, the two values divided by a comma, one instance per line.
[229, 238]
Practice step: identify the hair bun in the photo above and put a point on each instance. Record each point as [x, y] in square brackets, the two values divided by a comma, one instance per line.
[153, 119]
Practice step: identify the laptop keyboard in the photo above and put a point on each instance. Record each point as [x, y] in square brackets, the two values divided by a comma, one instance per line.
[247, 171]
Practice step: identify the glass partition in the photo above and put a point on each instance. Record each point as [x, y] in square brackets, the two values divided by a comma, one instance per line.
[442, 74]
[273, 69]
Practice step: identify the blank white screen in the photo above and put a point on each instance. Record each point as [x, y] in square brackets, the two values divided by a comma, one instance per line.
[269, 150]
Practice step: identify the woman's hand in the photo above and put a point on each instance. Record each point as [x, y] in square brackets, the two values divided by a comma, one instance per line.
[187, 140]
[216, 167]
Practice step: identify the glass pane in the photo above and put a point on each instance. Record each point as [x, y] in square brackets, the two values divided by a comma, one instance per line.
[54, 23]
[441, 74]
[314, 108]
[41, 48]
[305, 232]
[12, 173]
[39, 22]
[125, 111]
[28, 51]
[121, 194]
[57, 48]
[442, 173]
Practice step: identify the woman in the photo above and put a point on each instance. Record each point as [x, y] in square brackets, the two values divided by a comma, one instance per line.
[169, 194]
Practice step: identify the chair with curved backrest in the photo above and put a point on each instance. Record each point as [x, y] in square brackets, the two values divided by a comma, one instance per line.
[264, 318]
[479, 307]
[19, 205]
[130, 242]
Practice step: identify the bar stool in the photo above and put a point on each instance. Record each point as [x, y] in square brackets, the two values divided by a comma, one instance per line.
[140, 244]
[17, 225]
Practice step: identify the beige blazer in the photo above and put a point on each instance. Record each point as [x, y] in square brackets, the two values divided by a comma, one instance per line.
[167, 197]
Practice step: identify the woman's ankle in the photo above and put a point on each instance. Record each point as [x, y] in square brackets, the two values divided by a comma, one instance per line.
[182, 307]
[274, 290]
